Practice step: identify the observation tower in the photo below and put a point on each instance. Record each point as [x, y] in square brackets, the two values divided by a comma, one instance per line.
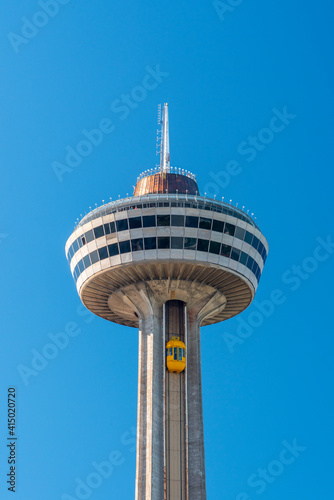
[167, 261]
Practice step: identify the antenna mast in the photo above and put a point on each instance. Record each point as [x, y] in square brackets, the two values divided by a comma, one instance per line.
[164, 148]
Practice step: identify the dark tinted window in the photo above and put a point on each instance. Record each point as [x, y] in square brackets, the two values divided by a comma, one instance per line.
[175, 353]
[113, 249]
[124, 246]
[137, 244]
[107, 228]
[180, 354]
[163, 220]
[243, 258]
[94, 257]
[112, 227]
[150, 243]
[229, 229]
[190, 243]
[240, 233]
[202, 245]
[83, 240]
[218, 225]
[89, 236]
[191, 221]
[86, 261]
[249, 262]
[260, 248]
[205, 223]
[248, 238]
[81, 266]
[235, 254]
[79, 242]
[177, 242]
[75, 246]
[135, 222]
[255, 242]
[103, 253]
[149, 221]
[225, 250]
[122, 225]
[163, 242]
[214, 247]
[178, 220]
[98, 232]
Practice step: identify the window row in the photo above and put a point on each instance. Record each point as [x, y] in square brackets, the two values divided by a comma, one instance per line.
[199, 205]
[177, 352]
[168, 220]
[166, 242]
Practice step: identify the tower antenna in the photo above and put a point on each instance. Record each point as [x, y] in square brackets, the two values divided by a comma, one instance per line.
[164, 149]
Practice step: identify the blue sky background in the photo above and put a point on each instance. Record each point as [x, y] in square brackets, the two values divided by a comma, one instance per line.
[227, 72]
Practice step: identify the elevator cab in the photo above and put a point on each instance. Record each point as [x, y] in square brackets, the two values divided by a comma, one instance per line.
[175, 355]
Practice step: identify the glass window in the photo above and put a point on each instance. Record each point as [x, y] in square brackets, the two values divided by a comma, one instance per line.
[171, 351]
[98, 231]
[113, 249]
[205, 223]
[163, 242]
[190, 243]
[89, 235]
[75, 246]
[218, 225]
[177, 242]
[240, 233]
[249, 262]
[135, 222]
[180, 354]
[70, 253]
[235, 254]
[229, 229]
[248, 238]
[175, 353]
[137, 244]
[112, 227]
[124, 246]
[79, 242]
[94, 257]
[107, 228]
[103, 253]
[214, 247]
[191, 221]
[81, 266]
[163, 220]
[83, 240]
[86, 261]
[225, 250]
[260, 248]
[183, 353]
[150, 243]
[149, 221]
[122, 225]
[243, 258]
[202, 245]
[178, 220]
[255, 242]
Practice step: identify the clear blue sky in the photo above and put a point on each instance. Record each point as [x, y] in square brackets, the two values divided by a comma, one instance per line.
[226, 73]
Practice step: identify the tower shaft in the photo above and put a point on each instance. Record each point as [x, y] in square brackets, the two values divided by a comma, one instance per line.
[170, 442]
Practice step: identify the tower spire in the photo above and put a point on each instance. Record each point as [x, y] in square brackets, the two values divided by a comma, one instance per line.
[164, 151]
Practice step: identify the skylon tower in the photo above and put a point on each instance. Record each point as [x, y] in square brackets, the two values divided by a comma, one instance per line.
[167, 261]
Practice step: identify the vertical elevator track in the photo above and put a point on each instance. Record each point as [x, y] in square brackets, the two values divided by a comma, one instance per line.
[175, 410]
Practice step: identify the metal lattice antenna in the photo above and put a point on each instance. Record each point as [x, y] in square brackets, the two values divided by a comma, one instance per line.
[164, 151]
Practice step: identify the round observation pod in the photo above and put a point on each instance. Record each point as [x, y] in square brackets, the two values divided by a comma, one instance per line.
[176, 355]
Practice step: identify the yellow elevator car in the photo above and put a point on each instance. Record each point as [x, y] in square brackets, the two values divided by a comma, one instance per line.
[176, 355]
